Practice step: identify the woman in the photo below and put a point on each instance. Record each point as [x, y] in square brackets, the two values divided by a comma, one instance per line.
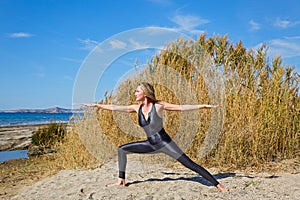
[150, 114]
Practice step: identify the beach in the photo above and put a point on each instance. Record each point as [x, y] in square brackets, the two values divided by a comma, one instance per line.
[155, 181]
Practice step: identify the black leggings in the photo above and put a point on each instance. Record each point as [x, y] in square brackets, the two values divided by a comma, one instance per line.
[160, 143]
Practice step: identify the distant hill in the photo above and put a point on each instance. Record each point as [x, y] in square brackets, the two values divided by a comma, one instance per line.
[48, 110]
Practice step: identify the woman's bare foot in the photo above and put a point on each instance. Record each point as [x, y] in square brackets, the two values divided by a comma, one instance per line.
[222, 188]
[120, 182]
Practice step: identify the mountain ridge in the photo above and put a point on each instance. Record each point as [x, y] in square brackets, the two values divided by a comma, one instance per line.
[47, 110]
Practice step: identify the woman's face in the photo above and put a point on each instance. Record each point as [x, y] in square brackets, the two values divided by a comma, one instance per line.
[139, 94]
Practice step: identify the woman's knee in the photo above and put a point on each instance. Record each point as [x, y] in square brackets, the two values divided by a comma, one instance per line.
[120, 149]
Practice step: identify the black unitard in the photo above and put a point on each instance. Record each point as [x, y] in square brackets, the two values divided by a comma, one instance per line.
[158, 142]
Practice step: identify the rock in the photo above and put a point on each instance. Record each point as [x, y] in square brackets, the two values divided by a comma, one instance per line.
[39, 150]
[17, 137]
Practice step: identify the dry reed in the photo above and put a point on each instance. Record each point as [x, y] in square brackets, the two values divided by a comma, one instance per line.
[257, 121]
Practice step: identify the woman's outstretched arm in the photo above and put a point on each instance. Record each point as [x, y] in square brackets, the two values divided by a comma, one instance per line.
[130, 108]
[175, 107]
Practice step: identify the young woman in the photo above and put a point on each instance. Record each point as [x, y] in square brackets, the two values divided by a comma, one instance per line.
[150, 113]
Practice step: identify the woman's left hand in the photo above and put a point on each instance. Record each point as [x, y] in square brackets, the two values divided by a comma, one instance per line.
[90, 104]
[212, 106]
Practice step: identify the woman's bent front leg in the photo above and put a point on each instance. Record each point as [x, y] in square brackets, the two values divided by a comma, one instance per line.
[135, 147]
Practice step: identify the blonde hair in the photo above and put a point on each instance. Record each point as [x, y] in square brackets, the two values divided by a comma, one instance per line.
[149, 91]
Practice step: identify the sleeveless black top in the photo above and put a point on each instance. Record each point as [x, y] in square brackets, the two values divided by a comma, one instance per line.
[153, 124]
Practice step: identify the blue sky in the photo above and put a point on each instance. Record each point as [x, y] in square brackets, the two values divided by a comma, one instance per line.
[43, 43]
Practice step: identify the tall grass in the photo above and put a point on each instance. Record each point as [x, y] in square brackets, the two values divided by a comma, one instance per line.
[257, 121]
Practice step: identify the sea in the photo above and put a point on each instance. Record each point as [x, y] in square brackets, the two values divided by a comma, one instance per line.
[23, 119]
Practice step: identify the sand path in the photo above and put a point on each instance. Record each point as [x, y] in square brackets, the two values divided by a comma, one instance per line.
[157, 182]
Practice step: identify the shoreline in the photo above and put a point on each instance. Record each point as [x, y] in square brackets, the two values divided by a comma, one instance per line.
[28, 125]
[19, 137]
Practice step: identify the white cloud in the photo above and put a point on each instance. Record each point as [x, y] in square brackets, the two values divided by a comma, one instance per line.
[157, 30]
[88, 44]
[117, 44]
[293, 38]
[20, 35]
[189, 22]
[254, 26]
[285, 47]
[283, 23]
[137, 45]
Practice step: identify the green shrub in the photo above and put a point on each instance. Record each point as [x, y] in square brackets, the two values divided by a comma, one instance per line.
[48, 136]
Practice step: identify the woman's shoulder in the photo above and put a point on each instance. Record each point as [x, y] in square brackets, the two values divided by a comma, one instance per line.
[159, 105]
[160, 102]
[135, 107]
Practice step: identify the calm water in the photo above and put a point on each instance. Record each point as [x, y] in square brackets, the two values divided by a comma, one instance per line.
[22, 119]
[19, 119]
[11, 155]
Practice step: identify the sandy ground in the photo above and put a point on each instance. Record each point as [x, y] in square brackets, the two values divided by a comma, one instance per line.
[157, 182]
[144, 181]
